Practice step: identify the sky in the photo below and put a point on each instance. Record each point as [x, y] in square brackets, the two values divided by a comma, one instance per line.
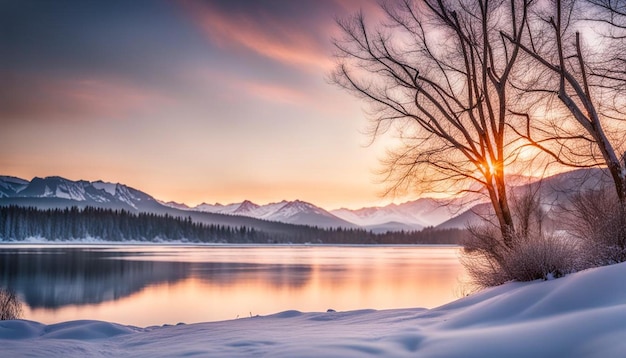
[190, 101]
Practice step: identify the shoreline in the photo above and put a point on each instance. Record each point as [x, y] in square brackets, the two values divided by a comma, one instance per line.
[92, 243]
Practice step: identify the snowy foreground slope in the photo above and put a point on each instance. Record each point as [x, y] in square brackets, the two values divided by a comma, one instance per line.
[581, 315]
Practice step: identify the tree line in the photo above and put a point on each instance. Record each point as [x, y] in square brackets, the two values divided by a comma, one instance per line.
[19, 223]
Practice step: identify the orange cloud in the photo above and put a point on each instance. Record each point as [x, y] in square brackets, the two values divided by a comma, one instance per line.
[271, 39]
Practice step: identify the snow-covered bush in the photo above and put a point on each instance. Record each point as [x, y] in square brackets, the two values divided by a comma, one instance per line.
[10, 305]
[598, 221]
[530, 257]
[528, 254]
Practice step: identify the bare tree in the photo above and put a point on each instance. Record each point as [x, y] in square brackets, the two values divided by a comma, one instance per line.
[437, 72]
[10, 305]
[586, 88]
[610, 18]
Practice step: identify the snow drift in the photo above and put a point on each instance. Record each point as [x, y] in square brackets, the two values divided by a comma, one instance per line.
[581, 315]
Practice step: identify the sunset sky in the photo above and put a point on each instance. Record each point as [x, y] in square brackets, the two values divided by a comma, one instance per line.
[214, 101]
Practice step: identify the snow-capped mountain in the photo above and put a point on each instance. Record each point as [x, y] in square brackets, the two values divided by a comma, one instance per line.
[300, 211]
[412, 215]
[291, 212]
[247, 208]
[216, 208]
[57, 192]
[9, 186]
[554, 192]
[96, 193]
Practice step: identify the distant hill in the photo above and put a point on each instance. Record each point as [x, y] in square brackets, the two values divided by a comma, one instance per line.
[469, 217]
[412, 215]
[554, 193]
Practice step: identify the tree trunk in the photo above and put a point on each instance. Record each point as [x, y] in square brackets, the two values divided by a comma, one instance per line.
[500, 204]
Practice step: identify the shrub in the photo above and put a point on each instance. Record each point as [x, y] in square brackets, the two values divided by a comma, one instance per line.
[531, 257]
[598, 221]
[10, 305]
[531, 254]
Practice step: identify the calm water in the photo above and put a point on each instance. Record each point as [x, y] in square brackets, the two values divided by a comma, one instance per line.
[150, 285]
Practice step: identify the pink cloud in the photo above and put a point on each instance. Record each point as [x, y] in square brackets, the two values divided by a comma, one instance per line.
[261, 34]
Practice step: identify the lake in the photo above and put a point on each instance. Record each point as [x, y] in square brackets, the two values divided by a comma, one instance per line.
[155, 285]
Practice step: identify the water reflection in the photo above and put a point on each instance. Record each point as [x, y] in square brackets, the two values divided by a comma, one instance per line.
[52, 278]
[232, 273]
[155, 285]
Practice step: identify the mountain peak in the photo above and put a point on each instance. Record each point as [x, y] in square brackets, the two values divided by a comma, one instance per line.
[63, 191]
[246, 207]
[11, 179]
[107, 187]
[298, 207]
[300, 204]
[10, 186]
[173, 204]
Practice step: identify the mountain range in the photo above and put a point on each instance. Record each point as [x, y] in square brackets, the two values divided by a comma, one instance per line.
[53, 192]
[291, 212]
[409, 216]
[57, 192]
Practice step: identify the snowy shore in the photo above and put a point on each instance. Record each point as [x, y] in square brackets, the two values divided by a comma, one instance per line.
[581, 315]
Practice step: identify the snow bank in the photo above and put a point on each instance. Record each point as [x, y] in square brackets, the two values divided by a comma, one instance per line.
[581, 315]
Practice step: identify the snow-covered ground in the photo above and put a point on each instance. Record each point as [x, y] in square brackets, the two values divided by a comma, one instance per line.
[581, 315]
